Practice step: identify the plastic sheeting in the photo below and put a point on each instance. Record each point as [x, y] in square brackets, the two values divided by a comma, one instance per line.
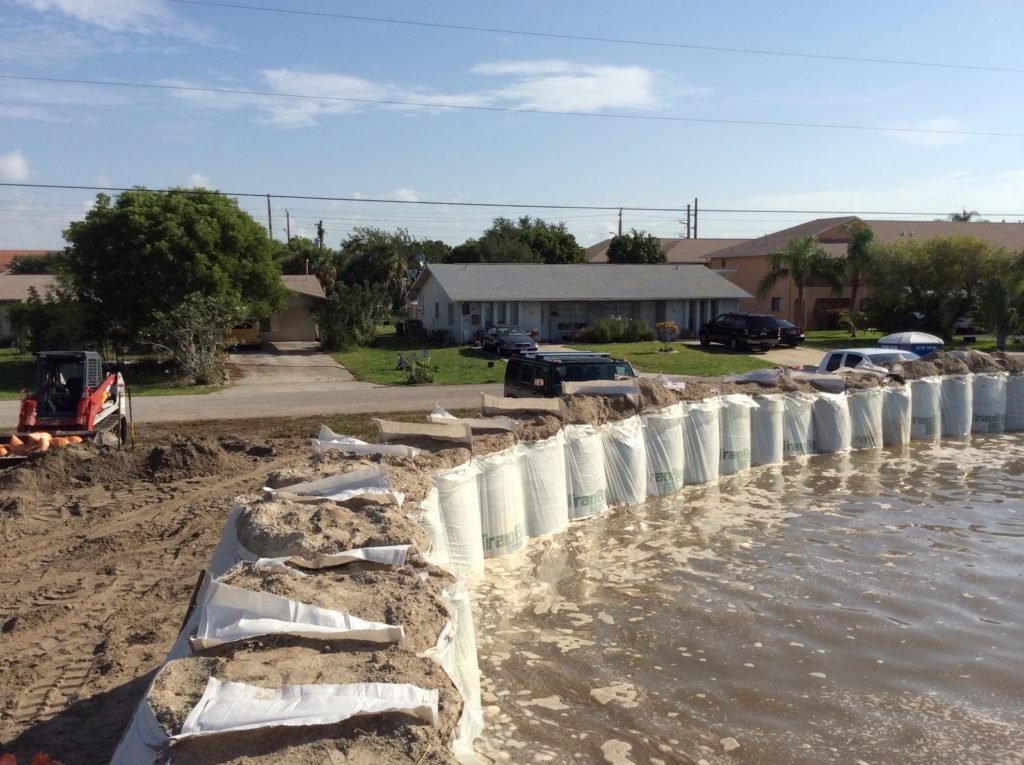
[767, 430]
[798, 425]
[328, 440]
[584, 461]
[957, 404]
[457, 432]
[735, 438]
[625, 461]
[989, 403]
[925, 409]
[897, 412]
[1015, 403]
[545, 488]
[866, 430]
[663, 436]
[342, 486]
[459, 499]
[502, 513]
[702, 440]
[832, 429]
[429, 518]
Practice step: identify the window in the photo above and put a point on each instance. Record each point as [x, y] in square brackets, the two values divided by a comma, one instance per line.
[513, 314]
[437, 311]
[451, 314]
[776, 304]
[500, 318]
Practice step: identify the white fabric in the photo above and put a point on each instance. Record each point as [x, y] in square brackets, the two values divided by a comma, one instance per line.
[227, 706]
[798, 425]
[957, 403]
[440, 415]
[625, 461]
[832, 430]
[455, 431]
[496, 405]
[663, 438]
[1015, 403]
[767, 430]
[429, 517]
[228, 613]
[896, 415]
[391, 555]
[702, 440]
[989, 407]
[735, 423]
[457, 492]
[925, 408]
[502, 510]
[355, 483]
[865, 408]
[545, 485]
[584, 462]
[328, 440]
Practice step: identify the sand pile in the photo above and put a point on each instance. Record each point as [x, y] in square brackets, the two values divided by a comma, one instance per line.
[537, 427]
[406, 596]
[1012, 363]
[935, 363]
[981, 363]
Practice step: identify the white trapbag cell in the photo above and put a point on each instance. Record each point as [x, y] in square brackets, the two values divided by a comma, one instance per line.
[735, 437]
[957, 403]
[897, 412]
[502, 510]
[989, 403]
[584, 463]
[429, 517]
[866, 431]
[832, 429]
[545, 487]
[663, 436]
[703, 440]
[1015, 403]
[798, 425]
[625, 461]
[925, 408]
[459, 498]
[767, 430]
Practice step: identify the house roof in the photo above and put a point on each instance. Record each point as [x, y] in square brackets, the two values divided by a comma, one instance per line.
[583, 281]
[769, 244]
[676, 250]
[15, 287]
[7, 256]
[303, 284]
[1008, 235]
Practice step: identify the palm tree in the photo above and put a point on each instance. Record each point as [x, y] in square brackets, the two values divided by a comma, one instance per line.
[803, 260]
[966, 216]
[858, 260]
[999, 301]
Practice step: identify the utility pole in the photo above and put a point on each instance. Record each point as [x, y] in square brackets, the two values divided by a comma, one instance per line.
[320, 234]
[620, 221]
[270, 220]
[695, 217]
[687, 220]
[288, 224]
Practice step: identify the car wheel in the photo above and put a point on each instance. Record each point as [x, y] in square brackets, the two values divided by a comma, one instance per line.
[734, 343]
[704, 339]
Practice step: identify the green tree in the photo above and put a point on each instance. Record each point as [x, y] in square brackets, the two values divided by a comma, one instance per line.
[350, 315]
[195, 332]
[967, 216]
[377, 257]
[526, 240]
[1000, 299]
[636, 247]
[148, 250]
[858, 260]
[49, 263]
[803, 260]
[56, 321]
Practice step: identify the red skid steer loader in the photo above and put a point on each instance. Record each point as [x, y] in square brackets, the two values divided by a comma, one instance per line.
[74, 397]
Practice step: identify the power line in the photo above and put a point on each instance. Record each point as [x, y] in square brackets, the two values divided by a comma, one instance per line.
[507, 205]
[507, 109]
[611, 40]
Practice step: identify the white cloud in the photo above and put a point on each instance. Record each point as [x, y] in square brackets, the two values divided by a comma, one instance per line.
[197, 180]
[949, 135]
[405, 195]
[138, 16]
[14, 167]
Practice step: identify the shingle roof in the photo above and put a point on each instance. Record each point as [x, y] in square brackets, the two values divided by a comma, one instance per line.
[1008, 235]
[6, 256]
[303, 284]
[585, 281]
[676, 250]
[16, 286]
[777, 241]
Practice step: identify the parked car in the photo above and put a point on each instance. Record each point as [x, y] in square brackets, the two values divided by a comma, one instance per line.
[507, 341]
[245, 335]
[789, 333]
[853, 357]
[740, 330]
[542, 374]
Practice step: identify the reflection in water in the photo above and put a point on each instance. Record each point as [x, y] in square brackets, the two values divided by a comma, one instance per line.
[852, 608]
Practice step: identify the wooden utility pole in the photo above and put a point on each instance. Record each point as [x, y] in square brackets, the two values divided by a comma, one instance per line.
[270, 220]
[695, 217]
[620, 221]
[687, 221]
[288, 224]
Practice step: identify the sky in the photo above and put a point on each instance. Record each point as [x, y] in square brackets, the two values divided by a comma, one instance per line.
[881, 109]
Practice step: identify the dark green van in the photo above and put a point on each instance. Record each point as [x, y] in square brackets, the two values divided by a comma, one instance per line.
[542, 374]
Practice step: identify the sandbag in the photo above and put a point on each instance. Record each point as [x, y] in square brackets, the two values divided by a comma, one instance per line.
[1015, 403]
[502, 510]
[584, 462]
[865, 408]
[956, 402]
[734, 420]
[429, 517]
[625, 461]
[897, 413]
[767, 430]
[545, 489]
[798, 425]
[459, 498]
[832, 429]
[702, 440]
[663, 437]
[989, 403]
[925, 409]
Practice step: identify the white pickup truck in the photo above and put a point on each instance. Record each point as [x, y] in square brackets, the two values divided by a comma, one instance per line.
[855, 357]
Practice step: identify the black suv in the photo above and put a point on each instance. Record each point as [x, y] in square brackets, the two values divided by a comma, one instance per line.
[789, 333]
[741, 330]
[542, 374]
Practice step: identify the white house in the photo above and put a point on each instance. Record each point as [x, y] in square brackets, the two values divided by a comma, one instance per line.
[462, 298]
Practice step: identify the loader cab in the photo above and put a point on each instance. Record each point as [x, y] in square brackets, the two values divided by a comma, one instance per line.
[63, 376]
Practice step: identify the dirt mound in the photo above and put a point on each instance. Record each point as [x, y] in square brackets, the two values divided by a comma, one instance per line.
[410, 597]
[935, 363]
[654, 395]
[1012, 363]
[586, 409]
[488, 443]
[537, 427]
[979, 362]
[187, 457]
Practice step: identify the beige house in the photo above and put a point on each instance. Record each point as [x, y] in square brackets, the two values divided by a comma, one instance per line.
[15, 289]
[295, 321]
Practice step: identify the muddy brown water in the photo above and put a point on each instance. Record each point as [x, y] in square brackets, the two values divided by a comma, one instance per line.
[859, 608]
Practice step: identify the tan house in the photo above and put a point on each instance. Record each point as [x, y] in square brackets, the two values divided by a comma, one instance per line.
[676, 250]
[15, 289]
[295, 321]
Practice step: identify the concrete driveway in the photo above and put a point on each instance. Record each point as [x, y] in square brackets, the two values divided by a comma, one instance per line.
[296, 363]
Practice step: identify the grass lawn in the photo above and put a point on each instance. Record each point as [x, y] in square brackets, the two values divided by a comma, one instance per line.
[834, 339]
[453, 365]
[711, 361]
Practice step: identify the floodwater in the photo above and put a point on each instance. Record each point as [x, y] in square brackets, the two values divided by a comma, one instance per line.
[862, 608]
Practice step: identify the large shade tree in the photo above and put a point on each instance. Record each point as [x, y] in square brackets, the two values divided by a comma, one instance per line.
[144, 252]
[805, 261]
[526, 240]
[636, 247]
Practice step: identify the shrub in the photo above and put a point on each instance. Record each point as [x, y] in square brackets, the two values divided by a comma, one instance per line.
[616, 329]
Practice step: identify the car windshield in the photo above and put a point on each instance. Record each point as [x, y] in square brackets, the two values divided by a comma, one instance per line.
[785, 324]
[584, 372]
[502, 331]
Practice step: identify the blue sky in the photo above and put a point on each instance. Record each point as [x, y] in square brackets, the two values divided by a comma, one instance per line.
[416, 147]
